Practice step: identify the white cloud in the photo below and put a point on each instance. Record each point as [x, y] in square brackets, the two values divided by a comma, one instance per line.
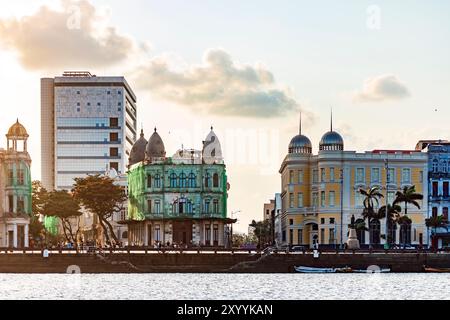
[218, 86]
[73, 37]
[382, 88]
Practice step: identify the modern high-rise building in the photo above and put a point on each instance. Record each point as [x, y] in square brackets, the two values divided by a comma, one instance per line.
[88, 126]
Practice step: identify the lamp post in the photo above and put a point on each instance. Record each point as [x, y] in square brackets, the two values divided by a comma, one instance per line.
[342, 207]
[386, 163]
[231, 233]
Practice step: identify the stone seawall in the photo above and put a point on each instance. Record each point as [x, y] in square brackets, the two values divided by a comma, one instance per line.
[213, 263]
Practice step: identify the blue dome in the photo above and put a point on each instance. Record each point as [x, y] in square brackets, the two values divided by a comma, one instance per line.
[300, 144]
[331, 141]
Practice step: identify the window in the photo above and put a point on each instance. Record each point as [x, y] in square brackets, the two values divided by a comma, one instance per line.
[99, 104]
[445, 212]
[88, 104]
[113, 152]
[183, 181]
[114, 137]
[435, 165]
[359, 199]
[208, 234]
[192, 180]
[291, 222]
[300, 200]
[173, 180]
[20, 205]
[375, 175]
[332, 198]
[11, 177]
[207, 205]
[216, 235]
[332, 175]
[78, 109]
[421, 176]
[157, 206]
[149, 206]
[11, 203]
[406, 175]
[300, 236]
[207, 180]
[322, 235]
[149, 181]
[315, 176]
[215, 206]
[157, 181]
[20, 177]
[332, 221]
[445, 189]
[215, 180]
[322, 175]
[78, 104]
[291, 200]
[119, 104]
[322, 220]
[434, 212]
[391, 197]
[114, 165]
[300, 176]
[78, 92]
[291, 177]
[189, 207]
[113, 122]
[360, 175]
[291, 236]
[108, 92]
[331, 237]
[322, 199]
[157, 232]
[435, 189]
[391, 175]
[315, 199]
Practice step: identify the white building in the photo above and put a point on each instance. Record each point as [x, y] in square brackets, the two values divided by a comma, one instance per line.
[88, 125]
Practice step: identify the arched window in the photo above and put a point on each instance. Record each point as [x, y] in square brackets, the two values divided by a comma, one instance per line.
[206, 208]
[192, 180]
[207, 180]
[215, 180]
[173, 180]
[216, 206]
[149, 181]
[405, 233]
[189, 207]
[157, 181]
[374, 231]
[392, 232]
[183, 180]
[361, 232]
[435, 165]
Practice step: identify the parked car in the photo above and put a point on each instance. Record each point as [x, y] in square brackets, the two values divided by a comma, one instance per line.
[298, 248]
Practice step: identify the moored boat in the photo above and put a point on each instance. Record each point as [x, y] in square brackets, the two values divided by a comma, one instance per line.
[437, 270]
[302, 269]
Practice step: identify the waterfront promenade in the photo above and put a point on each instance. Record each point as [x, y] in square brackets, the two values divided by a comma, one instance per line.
[143, 260]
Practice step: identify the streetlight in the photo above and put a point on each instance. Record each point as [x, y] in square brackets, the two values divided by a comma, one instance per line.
[386, 163]
[231, 233]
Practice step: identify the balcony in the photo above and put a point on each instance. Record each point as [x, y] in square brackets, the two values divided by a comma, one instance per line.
[306, 211]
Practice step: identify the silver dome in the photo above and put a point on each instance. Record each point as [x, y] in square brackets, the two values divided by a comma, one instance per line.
[300, 144]
[155, 147]
[331, 141]
[137, 153]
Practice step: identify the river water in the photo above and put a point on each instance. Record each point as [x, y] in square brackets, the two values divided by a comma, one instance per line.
[225, 286]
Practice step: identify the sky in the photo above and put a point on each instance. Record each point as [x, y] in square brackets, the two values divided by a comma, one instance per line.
[245, 67]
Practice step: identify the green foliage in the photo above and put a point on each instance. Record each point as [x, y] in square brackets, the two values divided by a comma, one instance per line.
[262, 231]
[408, 196]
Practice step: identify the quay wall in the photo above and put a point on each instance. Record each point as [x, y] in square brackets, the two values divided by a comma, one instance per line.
[213, 262]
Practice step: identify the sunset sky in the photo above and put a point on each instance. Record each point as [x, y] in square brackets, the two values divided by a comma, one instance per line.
[245, 67]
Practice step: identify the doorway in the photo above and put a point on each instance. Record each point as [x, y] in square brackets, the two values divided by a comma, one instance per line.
[182, 232]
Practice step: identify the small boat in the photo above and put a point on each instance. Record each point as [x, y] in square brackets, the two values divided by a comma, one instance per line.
[437, 270]
[387, 270]
[302, 269]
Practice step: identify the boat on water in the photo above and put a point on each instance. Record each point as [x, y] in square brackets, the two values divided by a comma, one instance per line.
[437, 270]
[302, 269]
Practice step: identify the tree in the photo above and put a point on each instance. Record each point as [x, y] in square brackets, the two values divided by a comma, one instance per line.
[393, 216]
[38, 198]
[63, 205]
[408, 196]
[262, 231]
[100, 195]
[371, 196]
[436, 222]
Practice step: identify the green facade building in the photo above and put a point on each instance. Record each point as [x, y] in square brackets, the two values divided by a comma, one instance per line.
[180, 199]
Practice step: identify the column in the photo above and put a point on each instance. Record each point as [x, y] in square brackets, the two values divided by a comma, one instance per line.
[15, 236]
[212, 233]
[26, 240]
[221, 234]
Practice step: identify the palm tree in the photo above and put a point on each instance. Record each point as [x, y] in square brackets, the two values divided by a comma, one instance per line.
[393, 215]
[408, 195]
[371, 196]
[437, 222]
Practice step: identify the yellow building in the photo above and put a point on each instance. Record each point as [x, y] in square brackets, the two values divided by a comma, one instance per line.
[320, 192]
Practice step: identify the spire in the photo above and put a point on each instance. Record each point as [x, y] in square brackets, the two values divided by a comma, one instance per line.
[155, 129]
[331, 119]
[212, 128]
[142, 132]
[300, 131]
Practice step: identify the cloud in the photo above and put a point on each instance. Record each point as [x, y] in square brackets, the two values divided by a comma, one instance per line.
[218, 86]
[382, 88]
[69, 38]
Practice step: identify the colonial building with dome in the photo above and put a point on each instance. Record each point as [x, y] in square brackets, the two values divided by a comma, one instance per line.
[15, 189]
[180, 199]
[320, 192]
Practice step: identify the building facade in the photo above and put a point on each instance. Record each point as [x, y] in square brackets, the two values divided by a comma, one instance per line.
[88, 126]
[180, 199]
[439, 186]
[15, 189]
[320, 192]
